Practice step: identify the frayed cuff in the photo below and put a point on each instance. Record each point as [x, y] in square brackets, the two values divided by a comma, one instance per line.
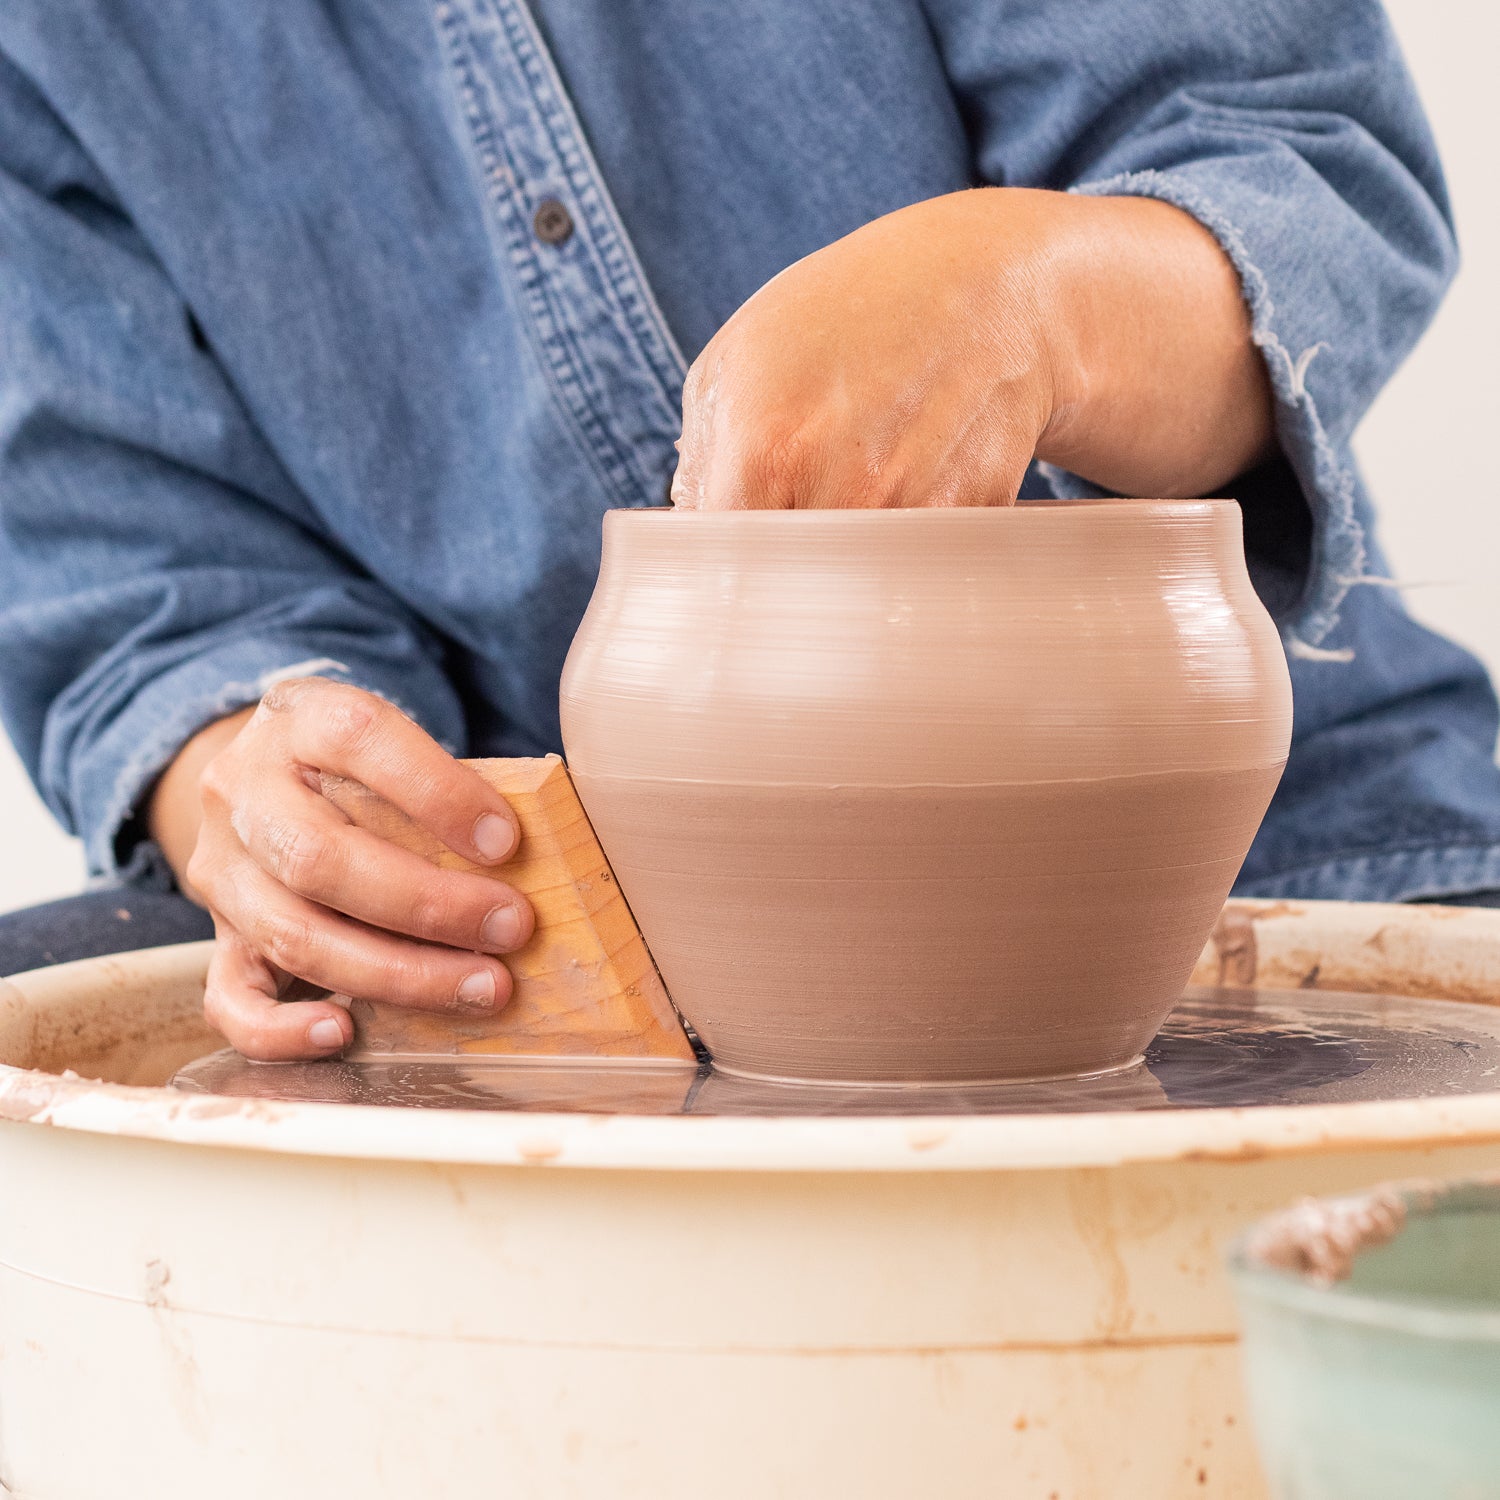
[165, 714]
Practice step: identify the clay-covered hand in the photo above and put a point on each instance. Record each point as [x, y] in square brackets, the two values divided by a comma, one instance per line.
[926, 358]
[299, 893]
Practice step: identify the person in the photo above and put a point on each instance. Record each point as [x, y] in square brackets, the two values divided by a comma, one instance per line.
[331, 330]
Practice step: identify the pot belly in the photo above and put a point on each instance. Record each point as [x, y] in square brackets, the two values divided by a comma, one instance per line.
[928, 933]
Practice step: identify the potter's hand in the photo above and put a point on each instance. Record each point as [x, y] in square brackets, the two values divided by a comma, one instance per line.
[296, 891]
[925, 358]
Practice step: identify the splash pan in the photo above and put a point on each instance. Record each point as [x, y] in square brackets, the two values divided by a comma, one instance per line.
[1222, 1048]
[633, 1283]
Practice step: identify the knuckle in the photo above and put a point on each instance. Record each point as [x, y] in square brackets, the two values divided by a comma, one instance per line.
[300, 857]
[214, 783]
[429, 977]
[348, 720]
[421, 783]
[294, 692]
[283, 697]
[289, 942]
[432, 914]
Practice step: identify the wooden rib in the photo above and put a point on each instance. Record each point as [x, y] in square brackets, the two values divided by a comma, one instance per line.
[585, 986]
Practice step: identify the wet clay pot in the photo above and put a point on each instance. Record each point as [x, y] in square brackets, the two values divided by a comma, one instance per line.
[933, 795]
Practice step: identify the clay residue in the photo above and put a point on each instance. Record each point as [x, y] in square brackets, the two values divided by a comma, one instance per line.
[1234, 942]
[30, 1098]
[137, 1041]
[1092, 1203]
[184, 1379]
[1320, 1239]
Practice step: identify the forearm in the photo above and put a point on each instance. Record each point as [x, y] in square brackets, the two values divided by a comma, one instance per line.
[175, 811]
[1158, 390]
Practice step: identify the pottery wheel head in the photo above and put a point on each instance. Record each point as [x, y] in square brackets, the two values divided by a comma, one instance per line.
[1220, 1049]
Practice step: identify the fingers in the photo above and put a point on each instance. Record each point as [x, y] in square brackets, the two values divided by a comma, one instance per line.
[756, 445]
[331, 727]
[762, 465]
[295, 936]
[297, 890]
[308, 847]
[909, 364]
[240, 1001]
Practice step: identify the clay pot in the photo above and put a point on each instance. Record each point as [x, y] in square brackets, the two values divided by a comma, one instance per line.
[934, 795]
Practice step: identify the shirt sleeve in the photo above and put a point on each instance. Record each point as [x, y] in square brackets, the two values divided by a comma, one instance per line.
[158, 568]
[1292, 132]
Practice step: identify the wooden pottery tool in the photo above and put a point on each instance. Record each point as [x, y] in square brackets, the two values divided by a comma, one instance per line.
[585, 985]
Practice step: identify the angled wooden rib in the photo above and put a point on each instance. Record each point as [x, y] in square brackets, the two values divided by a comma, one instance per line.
[585, 986]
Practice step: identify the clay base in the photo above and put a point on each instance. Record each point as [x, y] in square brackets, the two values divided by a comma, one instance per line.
[927, 934]
[898, 1086]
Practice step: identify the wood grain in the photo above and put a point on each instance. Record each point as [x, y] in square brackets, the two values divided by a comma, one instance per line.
[585, 986]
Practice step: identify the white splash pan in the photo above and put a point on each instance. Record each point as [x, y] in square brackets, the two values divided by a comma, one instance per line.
[209, 1297]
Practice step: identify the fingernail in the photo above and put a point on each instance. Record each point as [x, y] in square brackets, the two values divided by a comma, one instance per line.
[326, 1034]
[477, 992]
[494, 838]
[501, 930]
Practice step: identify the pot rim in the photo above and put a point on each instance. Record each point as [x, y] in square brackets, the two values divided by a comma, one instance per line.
[937, 515]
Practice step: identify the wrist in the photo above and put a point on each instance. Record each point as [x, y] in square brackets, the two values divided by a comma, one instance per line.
[1040, 295]
[1083, 344]
[1159, 389]
[174, 809]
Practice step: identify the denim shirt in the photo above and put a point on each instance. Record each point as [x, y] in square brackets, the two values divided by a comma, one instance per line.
[330, 329]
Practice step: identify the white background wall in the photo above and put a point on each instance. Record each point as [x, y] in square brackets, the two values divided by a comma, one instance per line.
[1428, 444]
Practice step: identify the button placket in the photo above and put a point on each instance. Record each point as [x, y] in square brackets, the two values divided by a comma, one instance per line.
[614, 365]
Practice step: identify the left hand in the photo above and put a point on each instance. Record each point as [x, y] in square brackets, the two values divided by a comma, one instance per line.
[926, 358]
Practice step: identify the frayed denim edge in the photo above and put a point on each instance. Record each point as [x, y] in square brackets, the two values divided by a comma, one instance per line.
[157, 752]
[1339, 557]
[1402, 875]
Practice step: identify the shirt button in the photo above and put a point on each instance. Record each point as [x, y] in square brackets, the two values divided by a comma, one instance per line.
[552, 222]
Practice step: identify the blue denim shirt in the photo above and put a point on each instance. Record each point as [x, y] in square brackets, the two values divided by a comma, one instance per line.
[302, 369]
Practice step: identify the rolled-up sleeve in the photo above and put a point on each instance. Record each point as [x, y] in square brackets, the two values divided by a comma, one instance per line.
[158, 569]
[1292, 132]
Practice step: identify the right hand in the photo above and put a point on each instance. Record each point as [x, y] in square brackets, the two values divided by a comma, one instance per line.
[298, 892]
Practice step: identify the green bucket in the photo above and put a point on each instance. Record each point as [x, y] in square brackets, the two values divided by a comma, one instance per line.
[1372, 1344]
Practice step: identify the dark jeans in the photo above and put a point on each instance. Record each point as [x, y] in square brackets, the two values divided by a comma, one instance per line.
[107, 921]
[118, 920]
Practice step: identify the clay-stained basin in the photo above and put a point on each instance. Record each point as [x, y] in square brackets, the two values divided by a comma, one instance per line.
[1378, 1378]
[202, 1296]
